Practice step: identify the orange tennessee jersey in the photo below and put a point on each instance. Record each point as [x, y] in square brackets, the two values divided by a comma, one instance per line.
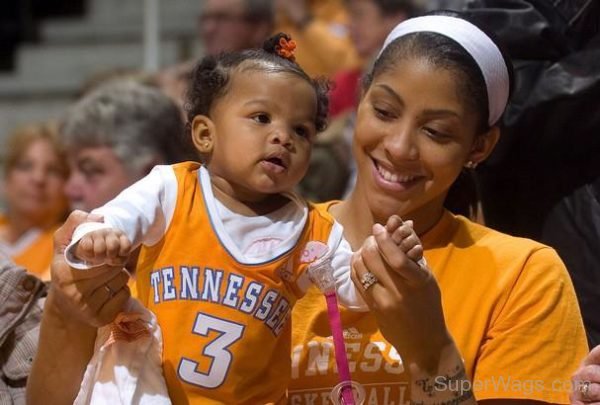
[225, 324]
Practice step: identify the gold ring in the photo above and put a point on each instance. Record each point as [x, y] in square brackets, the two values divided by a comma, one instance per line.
[367, 280]
[584, 389]
[109, 290]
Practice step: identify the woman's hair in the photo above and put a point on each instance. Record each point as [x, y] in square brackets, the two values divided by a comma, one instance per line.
[138, 122]
[445, 53]
[20, 140]
[211, 78]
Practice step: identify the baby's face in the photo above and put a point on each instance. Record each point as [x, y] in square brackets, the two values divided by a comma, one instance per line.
[263, 129]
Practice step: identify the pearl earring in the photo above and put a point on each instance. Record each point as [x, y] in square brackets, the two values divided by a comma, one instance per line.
[471, 165]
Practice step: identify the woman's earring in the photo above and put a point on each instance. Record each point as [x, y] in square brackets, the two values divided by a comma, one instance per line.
[470, 165]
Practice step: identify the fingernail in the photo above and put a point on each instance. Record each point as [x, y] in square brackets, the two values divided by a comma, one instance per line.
[377, 229]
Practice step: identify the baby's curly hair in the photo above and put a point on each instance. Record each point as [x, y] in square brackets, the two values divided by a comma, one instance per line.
[210, 78]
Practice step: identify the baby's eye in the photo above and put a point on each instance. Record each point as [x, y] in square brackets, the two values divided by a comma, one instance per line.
[302, 131]
[262, 118]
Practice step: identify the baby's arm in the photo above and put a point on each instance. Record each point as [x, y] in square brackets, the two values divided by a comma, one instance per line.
[341, 258]
[138, 215]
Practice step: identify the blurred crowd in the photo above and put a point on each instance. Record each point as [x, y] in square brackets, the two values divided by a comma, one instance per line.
[543, 182]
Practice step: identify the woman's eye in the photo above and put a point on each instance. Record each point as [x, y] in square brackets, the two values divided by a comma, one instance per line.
[435, 134]
[262, 118]
[383, 113]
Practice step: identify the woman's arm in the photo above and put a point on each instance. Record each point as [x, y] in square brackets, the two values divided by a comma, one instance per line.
[406, 302]
[77, 304]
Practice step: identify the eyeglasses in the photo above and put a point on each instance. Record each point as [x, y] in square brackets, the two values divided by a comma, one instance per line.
[221, 18]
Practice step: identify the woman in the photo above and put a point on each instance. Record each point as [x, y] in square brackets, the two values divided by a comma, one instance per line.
[505, 305]
[508, 305]
[35, 172]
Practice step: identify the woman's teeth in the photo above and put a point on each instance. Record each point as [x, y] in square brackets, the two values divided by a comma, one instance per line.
[393, 177]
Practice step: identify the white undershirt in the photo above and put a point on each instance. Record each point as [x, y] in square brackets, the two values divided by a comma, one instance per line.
[258, 236]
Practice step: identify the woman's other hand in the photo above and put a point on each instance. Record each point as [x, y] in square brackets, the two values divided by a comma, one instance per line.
[94, 296]
[586, 380]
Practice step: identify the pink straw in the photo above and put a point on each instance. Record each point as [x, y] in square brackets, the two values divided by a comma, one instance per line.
[335, 323]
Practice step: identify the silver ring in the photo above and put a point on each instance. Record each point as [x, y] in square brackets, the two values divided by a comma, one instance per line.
[109, 290]
[367, 280]
[584, 389]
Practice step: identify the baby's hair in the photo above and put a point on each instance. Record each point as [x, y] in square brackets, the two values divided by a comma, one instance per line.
[211, 77]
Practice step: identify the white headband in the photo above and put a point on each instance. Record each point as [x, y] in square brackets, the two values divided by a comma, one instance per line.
[486, 54]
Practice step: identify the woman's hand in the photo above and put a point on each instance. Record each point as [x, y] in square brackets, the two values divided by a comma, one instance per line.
[78, 303]
[406, 298]
[94, 296]
[586, 380]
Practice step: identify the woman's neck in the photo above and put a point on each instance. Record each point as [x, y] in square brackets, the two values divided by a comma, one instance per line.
[357, 227]
[358, 218]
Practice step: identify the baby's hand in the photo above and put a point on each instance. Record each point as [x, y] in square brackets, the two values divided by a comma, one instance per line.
[104, 246]
[405, 237]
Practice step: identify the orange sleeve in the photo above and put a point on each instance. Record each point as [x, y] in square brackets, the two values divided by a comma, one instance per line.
[537, 340]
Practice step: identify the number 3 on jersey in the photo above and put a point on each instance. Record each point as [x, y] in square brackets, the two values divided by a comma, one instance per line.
[229, 333]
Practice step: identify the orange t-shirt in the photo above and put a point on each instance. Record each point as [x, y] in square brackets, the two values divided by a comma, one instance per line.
[509, 304]
[36, 252]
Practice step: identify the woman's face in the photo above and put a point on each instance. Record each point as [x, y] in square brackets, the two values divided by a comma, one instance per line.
[414, 133]
[34, 185]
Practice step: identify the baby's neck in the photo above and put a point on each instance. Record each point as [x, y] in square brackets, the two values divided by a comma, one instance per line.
[268, 204]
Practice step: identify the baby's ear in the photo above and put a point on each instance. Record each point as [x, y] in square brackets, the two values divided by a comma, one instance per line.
[203, 134]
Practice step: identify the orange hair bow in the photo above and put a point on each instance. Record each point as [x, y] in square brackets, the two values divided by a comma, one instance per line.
[286, 48]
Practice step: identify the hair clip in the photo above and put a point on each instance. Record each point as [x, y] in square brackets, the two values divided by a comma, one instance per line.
[286, 48]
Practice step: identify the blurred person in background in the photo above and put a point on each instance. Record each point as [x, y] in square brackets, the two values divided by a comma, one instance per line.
[320, 28]
[35, 173]
[370, 22]
[223, 26]
[234, 25]
[114, 136]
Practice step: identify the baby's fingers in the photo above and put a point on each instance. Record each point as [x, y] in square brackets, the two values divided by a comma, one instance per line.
[409, 242]
[404, 231]
[416, 252]
[393, 223]
[125, 246]
[118, 248]
[85, 248]
[113, 245]
[99, 249]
